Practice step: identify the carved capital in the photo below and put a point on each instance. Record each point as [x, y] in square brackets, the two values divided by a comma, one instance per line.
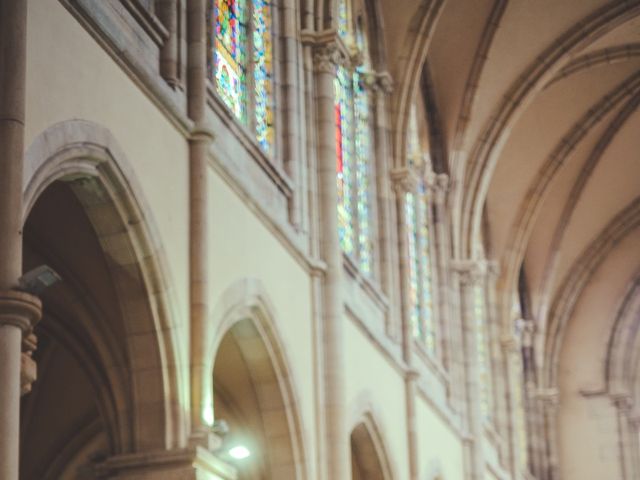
[549, 398]
[622, 401]
[470, 272]
[329, 51]
[509, 343]
[404, 180]
[528, 333]
[384, 82]
[440, 188]
[19, 309]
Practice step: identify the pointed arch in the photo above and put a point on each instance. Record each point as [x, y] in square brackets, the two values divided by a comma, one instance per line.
[85, 157]
[368, 450]
[245, 316]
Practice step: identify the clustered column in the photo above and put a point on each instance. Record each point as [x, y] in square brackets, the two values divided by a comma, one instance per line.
[469, 274]
[624, 405]
[404, 182]
[327, 55]
[18, 310]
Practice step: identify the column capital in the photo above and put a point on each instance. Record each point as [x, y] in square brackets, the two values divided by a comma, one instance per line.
[470, 271]
[509, 343]
[550, 397]
[404, 180]
[528, 332]
[329, 50]
[623, 401]
[19, 309]
[440, 188]
[384, 82]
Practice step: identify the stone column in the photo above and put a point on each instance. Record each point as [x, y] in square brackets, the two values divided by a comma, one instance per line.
[167, 12]
[634, 445]
[381, 89]
[469, 275]
[508, 418]
[403, 183]
[442, 248]
[18, 310]
[199, 141]
[548, 401]
[501, 346]
[624, 404]
[328, 52]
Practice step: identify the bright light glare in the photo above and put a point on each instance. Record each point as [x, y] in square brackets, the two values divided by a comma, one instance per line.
[239, 452]
[207, 415]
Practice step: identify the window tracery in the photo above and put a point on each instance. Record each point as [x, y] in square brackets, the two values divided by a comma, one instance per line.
[417, 218]
[483, 352]
[241, 62]
[354, 148]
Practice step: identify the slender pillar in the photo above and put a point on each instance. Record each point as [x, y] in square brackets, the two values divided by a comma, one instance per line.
[327, 54]
[469, 274]
[624, 404]
[167, 11]
[18, 310]
[201, 137]
[381, 88]
[404, 182]
[509, 416]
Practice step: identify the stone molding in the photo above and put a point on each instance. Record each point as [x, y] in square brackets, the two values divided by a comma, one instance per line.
[470, 272]
[404, 180]
[188, 463]
[19, 309]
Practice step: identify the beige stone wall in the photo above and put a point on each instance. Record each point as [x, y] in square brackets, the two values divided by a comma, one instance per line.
[74, 78]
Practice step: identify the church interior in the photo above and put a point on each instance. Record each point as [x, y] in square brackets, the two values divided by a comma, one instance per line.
[320, 239]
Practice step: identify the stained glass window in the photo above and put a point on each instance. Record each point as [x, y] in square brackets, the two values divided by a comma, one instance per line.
[344, 154]
[414, 263]
[482, 348]
[229, 54]
[420, 288]
[354, 150]
[241, 62]
[262, 57]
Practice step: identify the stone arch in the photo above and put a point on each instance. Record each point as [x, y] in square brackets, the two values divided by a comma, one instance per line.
[484, 153]
[369, 458]
[146, 411]
[624, 347]
[245, 322]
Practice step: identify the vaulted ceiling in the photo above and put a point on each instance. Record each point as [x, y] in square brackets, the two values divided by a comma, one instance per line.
[537, 107]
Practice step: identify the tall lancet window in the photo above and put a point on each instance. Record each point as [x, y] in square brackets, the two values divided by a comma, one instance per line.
[483, 351]
[241, 63]
[354, 149]
[417, 219]
[519, 387]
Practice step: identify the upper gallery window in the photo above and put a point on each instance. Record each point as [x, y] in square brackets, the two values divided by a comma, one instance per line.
[240, 62]
[417, 219]
[484, 353]
[354, 149]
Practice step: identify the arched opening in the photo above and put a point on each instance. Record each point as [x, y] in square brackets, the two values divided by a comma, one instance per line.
[77, 407]
[252, 395]
[106, 373]
[368, 460]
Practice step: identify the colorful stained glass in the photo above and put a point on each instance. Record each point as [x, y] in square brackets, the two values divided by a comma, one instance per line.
[482, 349]
[353, 157]
[363, 169]
[343, 21]
[344, 174]
[229, 54]
[414, 263]
[262, 58]
[425, 264]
